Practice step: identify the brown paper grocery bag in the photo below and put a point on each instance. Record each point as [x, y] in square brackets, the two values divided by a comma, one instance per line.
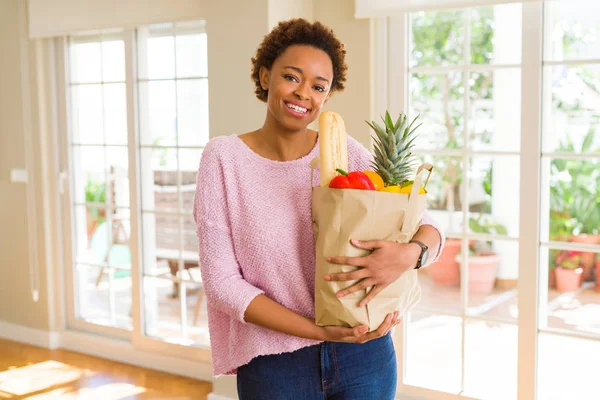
[340, 215]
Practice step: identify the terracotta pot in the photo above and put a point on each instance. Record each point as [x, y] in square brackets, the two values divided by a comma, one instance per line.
[588, 259]
[446, 270]
[482, 273]
[551, 278]
[568, 280]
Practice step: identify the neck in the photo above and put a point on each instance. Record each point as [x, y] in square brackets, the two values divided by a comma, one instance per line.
[285, 145]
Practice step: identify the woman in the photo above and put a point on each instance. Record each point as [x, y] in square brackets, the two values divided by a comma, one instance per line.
[253, 217]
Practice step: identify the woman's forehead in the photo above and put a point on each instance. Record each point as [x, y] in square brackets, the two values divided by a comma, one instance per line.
[308, 58]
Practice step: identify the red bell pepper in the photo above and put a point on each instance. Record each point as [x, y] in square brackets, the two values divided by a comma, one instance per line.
[353, 180]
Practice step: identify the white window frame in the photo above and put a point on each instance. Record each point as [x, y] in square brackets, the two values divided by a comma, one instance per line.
[139, 342]
[390, 43]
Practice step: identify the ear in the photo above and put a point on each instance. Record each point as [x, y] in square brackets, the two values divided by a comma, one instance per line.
[264, 75]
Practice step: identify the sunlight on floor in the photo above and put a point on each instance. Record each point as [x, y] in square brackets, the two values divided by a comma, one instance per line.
[110, 391]
[40, 376]
[54, 380]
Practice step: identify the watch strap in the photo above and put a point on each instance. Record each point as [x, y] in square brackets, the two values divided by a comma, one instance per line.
[424, 248]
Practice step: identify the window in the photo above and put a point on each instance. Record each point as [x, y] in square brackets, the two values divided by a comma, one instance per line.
[170, 80]
[465, 76]
[99, 164]
[464, 81]
[570, 208]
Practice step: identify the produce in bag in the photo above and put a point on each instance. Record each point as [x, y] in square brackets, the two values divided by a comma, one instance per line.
[344, 207]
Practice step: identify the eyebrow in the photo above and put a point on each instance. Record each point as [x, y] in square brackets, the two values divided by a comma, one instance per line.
[299, 70]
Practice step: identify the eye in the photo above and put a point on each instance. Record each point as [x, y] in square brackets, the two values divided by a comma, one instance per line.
[319, 88]
[291, 78]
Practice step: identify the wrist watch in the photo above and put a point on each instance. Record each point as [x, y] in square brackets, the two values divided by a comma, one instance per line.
[424, 254]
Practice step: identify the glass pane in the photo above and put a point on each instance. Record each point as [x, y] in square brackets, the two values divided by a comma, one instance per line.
[160, 54]
[87, 114]
[439, 102]
[492, 278]
[574, 289]
[191, 55]
[86, 65]
[574, 198]
[92, 295]
[444, 191]
[567, 368]
[494, 195]
[118, 176]
[197, 319]
[437, 38]
[160, 179]
[189, 161]
[440, 281]
[192, 112]
[115, 113]
[572, 30]
[158, 113]
[495, 116]
[496, 34]
[491, 360]
[113, 61]
[572, 108]
[162, 309]
[434, 352]
[161, 244]
[90, 177]
[91, 234]
[121, 292]
[118, 233]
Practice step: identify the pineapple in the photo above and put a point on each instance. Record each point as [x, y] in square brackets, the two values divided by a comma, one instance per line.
[393, 143]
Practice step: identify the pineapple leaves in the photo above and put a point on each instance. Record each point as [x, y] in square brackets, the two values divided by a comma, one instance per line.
[392, 145]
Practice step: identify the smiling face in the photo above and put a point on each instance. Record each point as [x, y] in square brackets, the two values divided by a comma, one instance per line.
[298, 84]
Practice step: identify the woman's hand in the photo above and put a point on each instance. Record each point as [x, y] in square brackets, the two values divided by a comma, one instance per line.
[359, 334]
[386, 263]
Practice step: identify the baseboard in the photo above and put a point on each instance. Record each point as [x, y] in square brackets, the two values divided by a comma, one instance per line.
[212, 396]
[27, 335]
[124, 352]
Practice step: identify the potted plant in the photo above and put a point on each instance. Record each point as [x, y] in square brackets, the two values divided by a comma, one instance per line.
[575, 200]
[569, 269]
[95, 192]
[483, 261]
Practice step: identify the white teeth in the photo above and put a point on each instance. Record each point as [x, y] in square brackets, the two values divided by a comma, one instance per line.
[296, 108]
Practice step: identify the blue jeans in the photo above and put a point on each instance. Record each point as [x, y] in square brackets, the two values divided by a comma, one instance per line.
[333, 371]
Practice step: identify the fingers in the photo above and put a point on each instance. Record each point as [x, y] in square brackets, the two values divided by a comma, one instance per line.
[362, 285]
[368, 244]
[371, 295]
[385, 326]
[353, 261]
[348, 276]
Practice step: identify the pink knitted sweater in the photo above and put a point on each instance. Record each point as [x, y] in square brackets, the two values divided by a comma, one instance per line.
[254, 226]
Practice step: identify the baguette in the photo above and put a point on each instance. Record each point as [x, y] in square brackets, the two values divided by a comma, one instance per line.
[333, 146]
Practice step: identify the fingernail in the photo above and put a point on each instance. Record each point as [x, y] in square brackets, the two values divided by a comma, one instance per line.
[327, 278]
[338, 295]
[363, 329]
[328, 259]
[354, 241]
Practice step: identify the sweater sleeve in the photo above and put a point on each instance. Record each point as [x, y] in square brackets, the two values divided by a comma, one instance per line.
[225, 287]
[359, 159]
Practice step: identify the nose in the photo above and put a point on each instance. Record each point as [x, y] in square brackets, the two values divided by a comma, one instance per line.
[301, 91]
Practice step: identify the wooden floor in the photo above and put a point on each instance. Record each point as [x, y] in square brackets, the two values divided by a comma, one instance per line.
[28, 372]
